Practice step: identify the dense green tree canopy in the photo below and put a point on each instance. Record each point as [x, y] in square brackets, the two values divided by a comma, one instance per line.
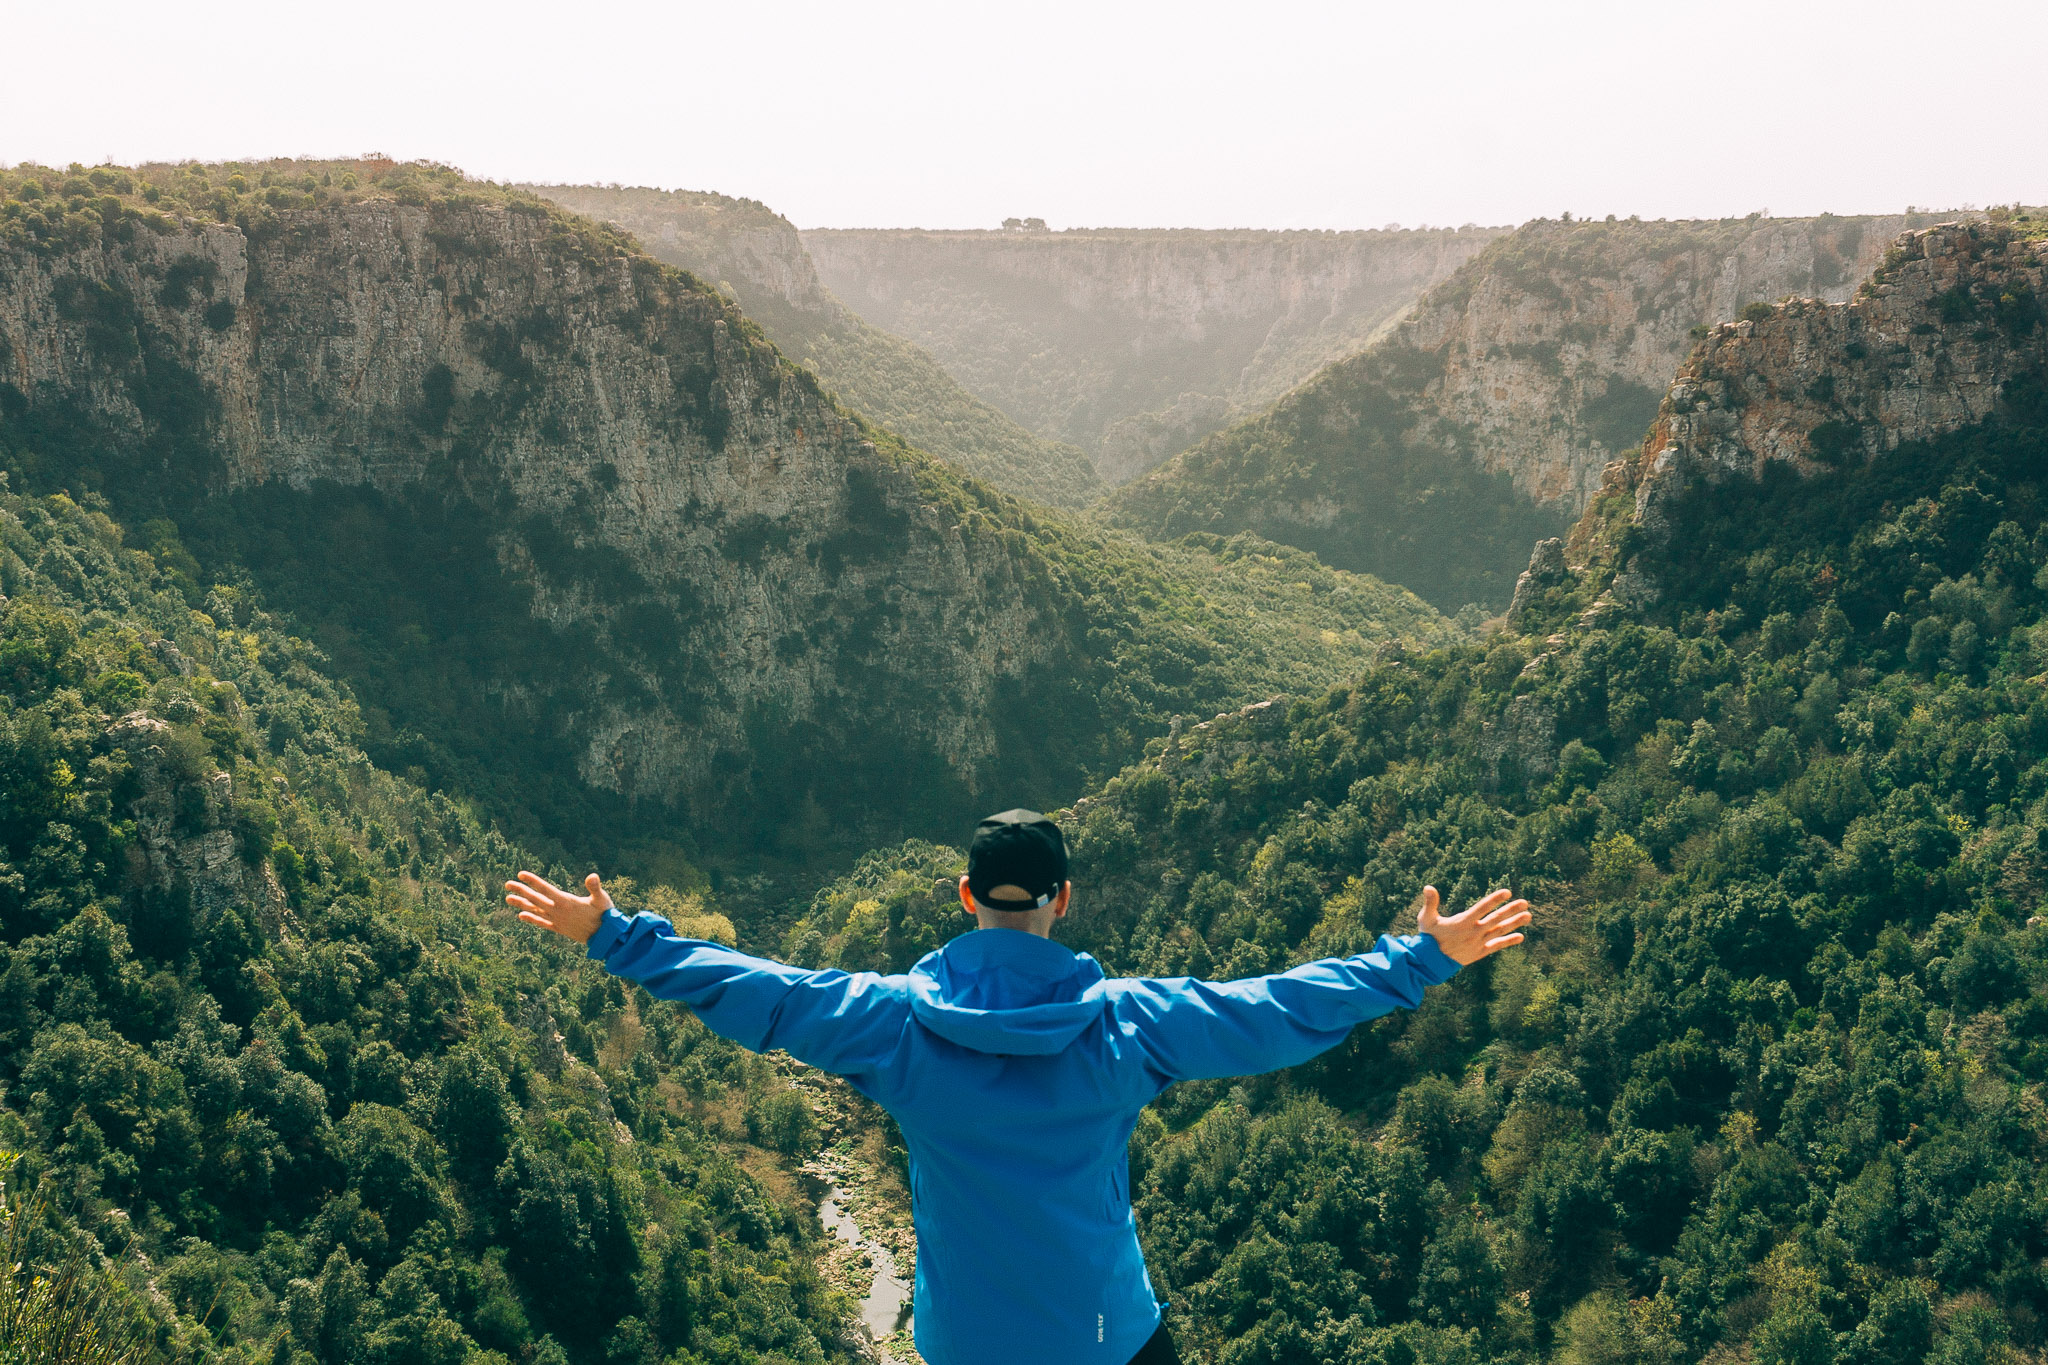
[1768, 1078]
[270, 1046]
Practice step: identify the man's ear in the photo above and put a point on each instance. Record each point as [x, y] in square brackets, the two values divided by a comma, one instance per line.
[1059, 902]
[966, 897]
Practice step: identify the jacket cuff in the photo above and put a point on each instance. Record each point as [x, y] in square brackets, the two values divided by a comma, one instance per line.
[610, 930]
[1433, 961]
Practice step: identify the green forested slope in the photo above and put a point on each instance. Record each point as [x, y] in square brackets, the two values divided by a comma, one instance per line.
[745, 247]
[1766, 1084]
[897, 385]
[271, 1045]
[1332, 468]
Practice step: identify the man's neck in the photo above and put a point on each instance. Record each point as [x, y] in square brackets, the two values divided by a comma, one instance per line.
[1037, 922]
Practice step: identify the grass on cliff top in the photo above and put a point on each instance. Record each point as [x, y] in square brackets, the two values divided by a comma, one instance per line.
[2027, 224]
[57, 210]
[708, 213]
[52, 212]
[1535, 254]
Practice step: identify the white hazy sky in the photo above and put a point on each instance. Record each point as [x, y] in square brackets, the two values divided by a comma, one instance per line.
[1287, 113]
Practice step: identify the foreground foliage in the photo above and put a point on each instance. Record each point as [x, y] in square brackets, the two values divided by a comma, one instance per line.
[1769, 1079]
[61, 1313]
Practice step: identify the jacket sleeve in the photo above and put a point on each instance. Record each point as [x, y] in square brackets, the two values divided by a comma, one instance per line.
[1193, 1029]
[848, 1024]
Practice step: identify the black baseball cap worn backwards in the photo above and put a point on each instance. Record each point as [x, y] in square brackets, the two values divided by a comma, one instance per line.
[1018, 848]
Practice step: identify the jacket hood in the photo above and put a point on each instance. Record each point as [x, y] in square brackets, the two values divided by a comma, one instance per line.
[1007, 992]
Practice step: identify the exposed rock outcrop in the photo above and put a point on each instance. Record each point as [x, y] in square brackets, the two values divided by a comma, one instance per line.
[184, 835]
[1557, 344]
[1930, 345]
[1546, 569]
[1925, 349]
[1522, 743]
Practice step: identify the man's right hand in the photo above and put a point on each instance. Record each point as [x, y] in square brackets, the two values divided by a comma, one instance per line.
[539, 901]
[1486, 928]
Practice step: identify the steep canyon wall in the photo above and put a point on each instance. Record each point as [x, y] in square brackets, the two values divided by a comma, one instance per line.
[570, 523]
[717, 578]
[1927, 348]
[1948, 336]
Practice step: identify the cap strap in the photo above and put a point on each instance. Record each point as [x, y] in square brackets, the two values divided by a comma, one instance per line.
[1038, 904]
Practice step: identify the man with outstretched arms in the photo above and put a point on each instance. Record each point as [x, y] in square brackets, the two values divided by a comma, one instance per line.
[1016, 1071]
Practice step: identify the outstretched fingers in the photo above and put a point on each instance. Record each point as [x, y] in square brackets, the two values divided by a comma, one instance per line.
[1484, 906]
[1500, 926]
[530, 904]
[1497, 918]
[540, 888]
[536, 899]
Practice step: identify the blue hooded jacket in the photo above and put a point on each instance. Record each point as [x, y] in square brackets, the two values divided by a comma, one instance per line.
[1016, 1071]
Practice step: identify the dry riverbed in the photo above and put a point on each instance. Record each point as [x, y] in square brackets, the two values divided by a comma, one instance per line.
[863, 1203]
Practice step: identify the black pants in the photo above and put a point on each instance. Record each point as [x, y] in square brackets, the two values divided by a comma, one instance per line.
[1158, 1351]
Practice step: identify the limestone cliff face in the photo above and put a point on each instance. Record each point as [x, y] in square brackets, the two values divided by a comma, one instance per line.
[1557, 344]
[1925, 349]
[744, 564]
[1132, 344]
[743, 246]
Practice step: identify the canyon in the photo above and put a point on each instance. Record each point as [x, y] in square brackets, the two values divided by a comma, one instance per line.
[1133, 344]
